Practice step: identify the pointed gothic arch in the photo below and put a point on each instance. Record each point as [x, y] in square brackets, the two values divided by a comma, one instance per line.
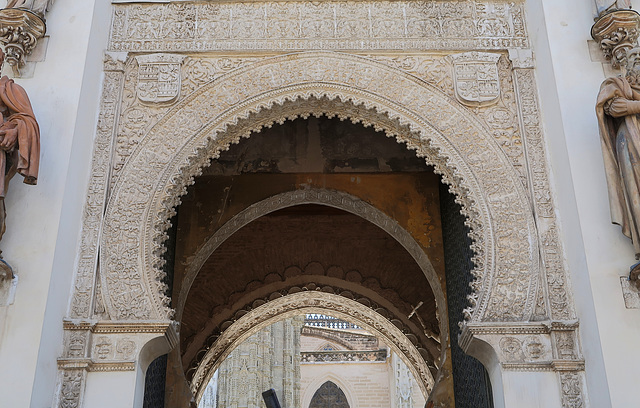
[329, 395]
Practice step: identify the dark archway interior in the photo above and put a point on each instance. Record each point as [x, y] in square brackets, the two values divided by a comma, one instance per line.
[309, 247]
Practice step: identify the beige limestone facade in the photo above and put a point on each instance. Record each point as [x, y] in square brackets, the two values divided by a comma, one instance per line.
[145, 107]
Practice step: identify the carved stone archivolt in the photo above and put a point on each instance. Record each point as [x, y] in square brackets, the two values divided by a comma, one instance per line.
[492, 189]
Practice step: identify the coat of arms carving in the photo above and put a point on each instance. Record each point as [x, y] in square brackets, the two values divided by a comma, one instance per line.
[159, 77]
[476, 78]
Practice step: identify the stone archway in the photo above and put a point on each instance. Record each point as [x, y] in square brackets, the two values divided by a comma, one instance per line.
[450, 139]
[310, 302]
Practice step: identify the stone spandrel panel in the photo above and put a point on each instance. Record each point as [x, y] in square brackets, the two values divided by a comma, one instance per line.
[325, 25]
[501, 116]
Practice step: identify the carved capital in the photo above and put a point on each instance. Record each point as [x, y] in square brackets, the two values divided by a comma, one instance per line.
[616, 32]
[20, 31]
[543, 346]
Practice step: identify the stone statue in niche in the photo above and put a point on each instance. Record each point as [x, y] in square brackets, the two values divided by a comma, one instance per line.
[618, 111]
[19, 141]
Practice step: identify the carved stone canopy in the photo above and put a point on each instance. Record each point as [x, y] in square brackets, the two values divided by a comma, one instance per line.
[616, 32]
[20, 31]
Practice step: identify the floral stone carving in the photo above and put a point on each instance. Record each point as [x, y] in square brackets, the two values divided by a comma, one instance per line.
[20, 30]
[617, 31]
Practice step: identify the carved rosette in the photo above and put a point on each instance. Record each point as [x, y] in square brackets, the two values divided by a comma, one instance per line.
[20, 31]
[616, 32]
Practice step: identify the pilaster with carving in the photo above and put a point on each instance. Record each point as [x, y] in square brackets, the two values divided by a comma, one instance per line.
[554, 278]
[84, 300]
[100, 347]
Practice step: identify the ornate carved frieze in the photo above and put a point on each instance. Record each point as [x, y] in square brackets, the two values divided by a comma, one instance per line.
[544, 346]
[343, 356]
[327, 25]
[20, 30]
[616, 31]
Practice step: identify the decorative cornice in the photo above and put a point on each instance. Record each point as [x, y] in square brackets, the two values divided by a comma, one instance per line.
[616, 32]
[344, 356]
[20, 31]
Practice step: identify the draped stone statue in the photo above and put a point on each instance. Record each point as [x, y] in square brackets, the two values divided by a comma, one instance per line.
[37, 6]
[609, 5]
[19, 139]
[618, 109]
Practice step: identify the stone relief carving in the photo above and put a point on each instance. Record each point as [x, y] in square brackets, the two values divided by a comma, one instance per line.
[342, 356]
[572, 390]
[476, 78]
[534, 348]
[126, 349]
[159, 78]
[555, 277]
[616, 30]
[71, 389]
[512, 349]
[103, 348]
[529, 346]
[76, 360]
[97, 191]
[327, 25]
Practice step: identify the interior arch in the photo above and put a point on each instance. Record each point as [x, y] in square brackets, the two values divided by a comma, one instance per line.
[310, 302]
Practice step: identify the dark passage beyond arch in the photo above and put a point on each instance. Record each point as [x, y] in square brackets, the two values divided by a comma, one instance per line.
[329, 395]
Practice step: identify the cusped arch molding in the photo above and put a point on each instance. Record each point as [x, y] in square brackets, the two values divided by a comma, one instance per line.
[304, 303]
[275, 89]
